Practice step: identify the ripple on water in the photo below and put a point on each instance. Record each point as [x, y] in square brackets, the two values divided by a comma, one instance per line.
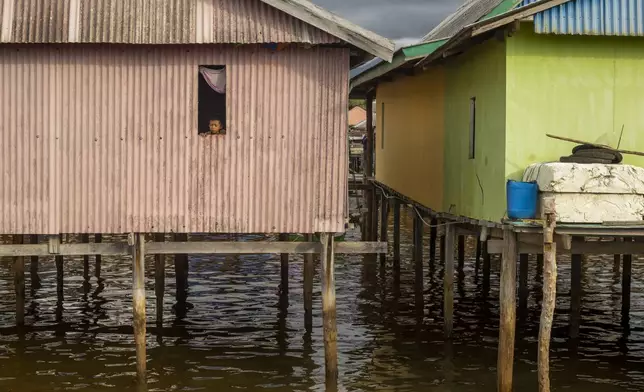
[236, 335]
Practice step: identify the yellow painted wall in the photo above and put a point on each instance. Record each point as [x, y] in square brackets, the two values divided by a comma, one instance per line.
[411, 161]
[581, 87]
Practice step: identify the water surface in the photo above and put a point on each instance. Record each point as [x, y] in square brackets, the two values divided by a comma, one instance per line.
[235, 336]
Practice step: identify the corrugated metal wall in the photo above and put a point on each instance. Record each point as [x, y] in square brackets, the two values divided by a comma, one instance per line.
[592, 17]
[104, 139]
[152, 22]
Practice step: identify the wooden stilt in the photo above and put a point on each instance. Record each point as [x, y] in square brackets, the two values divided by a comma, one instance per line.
[35, 279]
[448, 280]
[477, 261]
[575, 295]
[418, 240]
[138, 305]
[98, 238]
[507, 299]
[396, 235]
[159, 279]
[374, 215]
[384, 221]
[461, 252]
[486, 269]
[329, 311]
[442, 248]
[181, 275]
[85, 239]
[627, 267]
[617, 259]
[284, 237]
[19, 283]
[368, 170]
[549, 295]
[523, 282]
[59, 276]
[433, 232]
[309, 271]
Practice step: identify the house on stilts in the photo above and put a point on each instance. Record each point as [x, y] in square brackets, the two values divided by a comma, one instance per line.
[481, 104]
[176, 117]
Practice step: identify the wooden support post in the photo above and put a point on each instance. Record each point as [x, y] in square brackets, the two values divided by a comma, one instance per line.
[418, 239]
[617, 260]
[549, 294]
[59, 275]
[523, 282]
[461, 252]
[442, 247]
[35, 279]
[627, 267]
[98, 238]
[486, 269]
[448, 281]
[368, 151]
[85, 240]
[433, 233]
[159, 279]
[327, 259]
[397, 235]
[309, 271]
[138, 304]
[19, 283]
[284, 237]
[374, 216]
[575, 295]
[384, 220]
[181, 268]
[507, 299]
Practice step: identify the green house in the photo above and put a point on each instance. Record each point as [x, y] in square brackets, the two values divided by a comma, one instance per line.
[520, 71]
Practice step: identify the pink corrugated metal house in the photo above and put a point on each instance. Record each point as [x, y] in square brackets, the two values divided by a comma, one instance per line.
[175, 116]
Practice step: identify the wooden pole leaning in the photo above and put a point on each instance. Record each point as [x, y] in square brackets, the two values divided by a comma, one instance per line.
[549, 294]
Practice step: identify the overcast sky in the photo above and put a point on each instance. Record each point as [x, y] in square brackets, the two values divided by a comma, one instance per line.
[404, 21]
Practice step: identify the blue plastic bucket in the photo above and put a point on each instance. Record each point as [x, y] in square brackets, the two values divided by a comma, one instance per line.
[522, 199]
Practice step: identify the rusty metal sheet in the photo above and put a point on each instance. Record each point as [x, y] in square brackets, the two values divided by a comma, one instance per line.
[152, 22]
[104, 139]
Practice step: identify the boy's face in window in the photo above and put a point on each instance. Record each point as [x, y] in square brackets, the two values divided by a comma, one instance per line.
[215, 126]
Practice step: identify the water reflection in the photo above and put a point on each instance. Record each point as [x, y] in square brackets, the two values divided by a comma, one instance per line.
[228, 326]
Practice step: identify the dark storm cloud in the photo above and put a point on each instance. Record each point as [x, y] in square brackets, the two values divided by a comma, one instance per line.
[400, 20]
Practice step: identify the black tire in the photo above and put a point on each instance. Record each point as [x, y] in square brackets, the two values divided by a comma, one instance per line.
[581, 147]
[612, 156]
[584, 160]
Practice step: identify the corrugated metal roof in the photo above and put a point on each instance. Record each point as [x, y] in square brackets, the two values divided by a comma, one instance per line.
[181, 22]
[592, 17]
[153, 22]
[468, 13]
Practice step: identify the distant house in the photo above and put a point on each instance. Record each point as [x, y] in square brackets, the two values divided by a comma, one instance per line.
[356, 115]
[469, 107]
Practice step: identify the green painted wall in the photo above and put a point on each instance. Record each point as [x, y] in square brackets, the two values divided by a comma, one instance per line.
[581, 87]
[476, 187]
